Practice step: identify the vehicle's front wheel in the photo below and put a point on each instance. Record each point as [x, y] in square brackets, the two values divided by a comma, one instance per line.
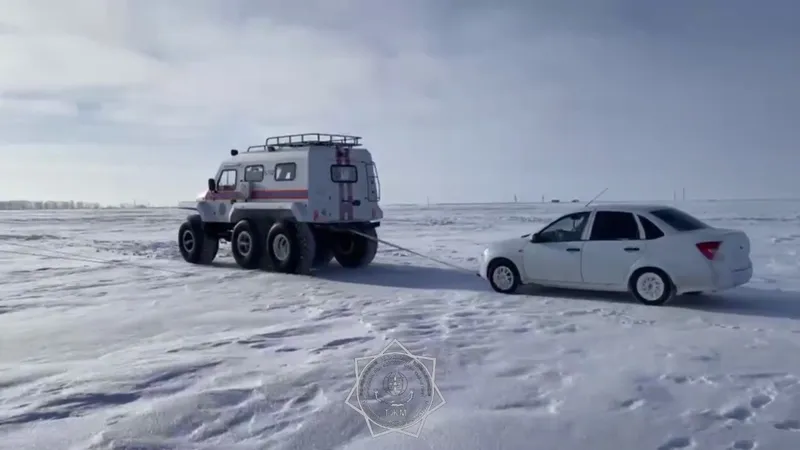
[246, 245]
[195, 245]
[651, 287]
[503, 276]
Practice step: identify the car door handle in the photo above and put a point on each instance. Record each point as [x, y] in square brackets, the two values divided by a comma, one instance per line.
[573, 249]
[631, 249]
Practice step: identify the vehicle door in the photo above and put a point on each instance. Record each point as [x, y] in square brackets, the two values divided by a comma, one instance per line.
[554, 253]
[226, 193]
[614, 245]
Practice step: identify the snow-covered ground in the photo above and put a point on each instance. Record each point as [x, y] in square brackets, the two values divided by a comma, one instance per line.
[154, 353]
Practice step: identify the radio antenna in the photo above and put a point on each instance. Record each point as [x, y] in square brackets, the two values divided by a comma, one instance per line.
[596, 197]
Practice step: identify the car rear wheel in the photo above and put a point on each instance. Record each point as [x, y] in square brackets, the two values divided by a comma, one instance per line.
[503, 276]
[651, 287]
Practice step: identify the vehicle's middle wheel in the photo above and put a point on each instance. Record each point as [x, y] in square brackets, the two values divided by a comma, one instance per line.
[324, 253]
[246, 245]
[503, 276]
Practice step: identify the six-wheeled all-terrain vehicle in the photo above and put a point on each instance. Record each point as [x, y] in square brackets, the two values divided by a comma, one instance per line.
[290, 205]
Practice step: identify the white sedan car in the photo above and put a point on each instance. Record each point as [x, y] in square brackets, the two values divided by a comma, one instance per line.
[652, 251]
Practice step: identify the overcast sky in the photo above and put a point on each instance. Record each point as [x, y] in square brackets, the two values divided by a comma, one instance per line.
[458, 100]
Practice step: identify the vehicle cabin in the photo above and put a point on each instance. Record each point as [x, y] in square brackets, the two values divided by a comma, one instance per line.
[290, 205]
[330, 174]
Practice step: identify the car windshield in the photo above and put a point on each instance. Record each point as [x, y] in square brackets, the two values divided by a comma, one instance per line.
[679, 220]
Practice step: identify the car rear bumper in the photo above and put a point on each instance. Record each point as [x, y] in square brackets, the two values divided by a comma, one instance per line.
[733, 278]
[713, 279]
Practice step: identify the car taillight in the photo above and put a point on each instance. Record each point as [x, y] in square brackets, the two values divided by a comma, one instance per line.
[709, 249]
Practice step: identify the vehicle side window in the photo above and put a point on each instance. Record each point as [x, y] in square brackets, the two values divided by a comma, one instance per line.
[227, 180]
[679, 220]
[651, 230]
[566, 229]
[614, 226]
[254, 173]
[285, 171]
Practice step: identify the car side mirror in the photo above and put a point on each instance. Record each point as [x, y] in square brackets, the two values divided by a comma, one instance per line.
[535, 237]
[212, 185]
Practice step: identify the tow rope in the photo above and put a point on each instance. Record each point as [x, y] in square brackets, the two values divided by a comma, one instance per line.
[407, 250]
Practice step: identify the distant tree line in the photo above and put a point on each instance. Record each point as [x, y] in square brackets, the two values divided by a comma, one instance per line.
[9, 205]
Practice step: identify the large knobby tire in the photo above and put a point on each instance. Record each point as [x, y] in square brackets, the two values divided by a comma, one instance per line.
[503, 276]
[353, 250]
[323, 253]
[651, 287]
[195, 245]
[246, 245]
[291, 247]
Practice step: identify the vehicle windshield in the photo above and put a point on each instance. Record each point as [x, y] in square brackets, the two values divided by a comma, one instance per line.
[679, 220]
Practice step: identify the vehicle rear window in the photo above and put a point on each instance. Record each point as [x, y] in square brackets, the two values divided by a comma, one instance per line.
[344, 173]
[679, 220]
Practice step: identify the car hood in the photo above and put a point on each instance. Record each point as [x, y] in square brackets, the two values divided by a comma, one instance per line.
[512, 244]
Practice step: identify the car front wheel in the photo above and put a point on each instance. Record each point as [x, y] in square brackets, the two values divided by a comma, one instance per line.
[503, 276]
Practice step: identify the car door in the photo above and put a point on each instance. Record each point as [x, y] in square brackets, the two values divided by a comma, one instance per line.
[554, 254]
[613, 246]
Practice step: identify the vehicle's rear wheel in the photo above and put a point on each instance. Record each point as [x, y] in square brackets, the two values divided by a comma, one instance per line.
[651, 287]
[246, 245]
[353, 250]
[503, 276]
[291, 247]
[195, 245]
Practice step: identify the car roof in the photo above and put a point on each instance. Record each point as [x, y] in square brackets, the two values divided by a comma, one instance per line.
[626, 207]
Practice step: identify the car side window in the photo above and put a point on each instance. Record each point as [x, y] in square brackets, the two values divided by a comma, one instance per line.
[566, 229]
[614, 226]
[651, 230]
[227, 180]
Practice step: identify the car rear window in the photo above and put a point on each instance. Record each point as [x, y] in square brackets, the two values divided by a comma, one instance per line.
[679, 220]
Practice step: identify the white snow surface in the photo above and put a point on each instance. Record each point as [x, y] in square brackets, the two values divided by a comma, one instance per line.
[132, 348]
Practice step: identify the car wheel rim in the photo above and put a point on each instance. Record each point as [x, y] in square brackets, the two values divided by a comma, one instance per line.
[503, 278]
[281, 247]
[650, 287]
[187, 240]
[244, 243]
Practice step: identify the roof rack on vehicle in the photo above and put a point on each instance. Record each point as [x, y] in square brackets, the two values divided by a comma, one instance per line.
[305, 139]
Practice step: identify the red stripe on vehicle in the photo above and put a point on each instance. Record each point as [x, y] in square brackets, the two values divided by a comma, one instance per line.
[262, 194]
[341, 186]
[279, 194]
[224, 195]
